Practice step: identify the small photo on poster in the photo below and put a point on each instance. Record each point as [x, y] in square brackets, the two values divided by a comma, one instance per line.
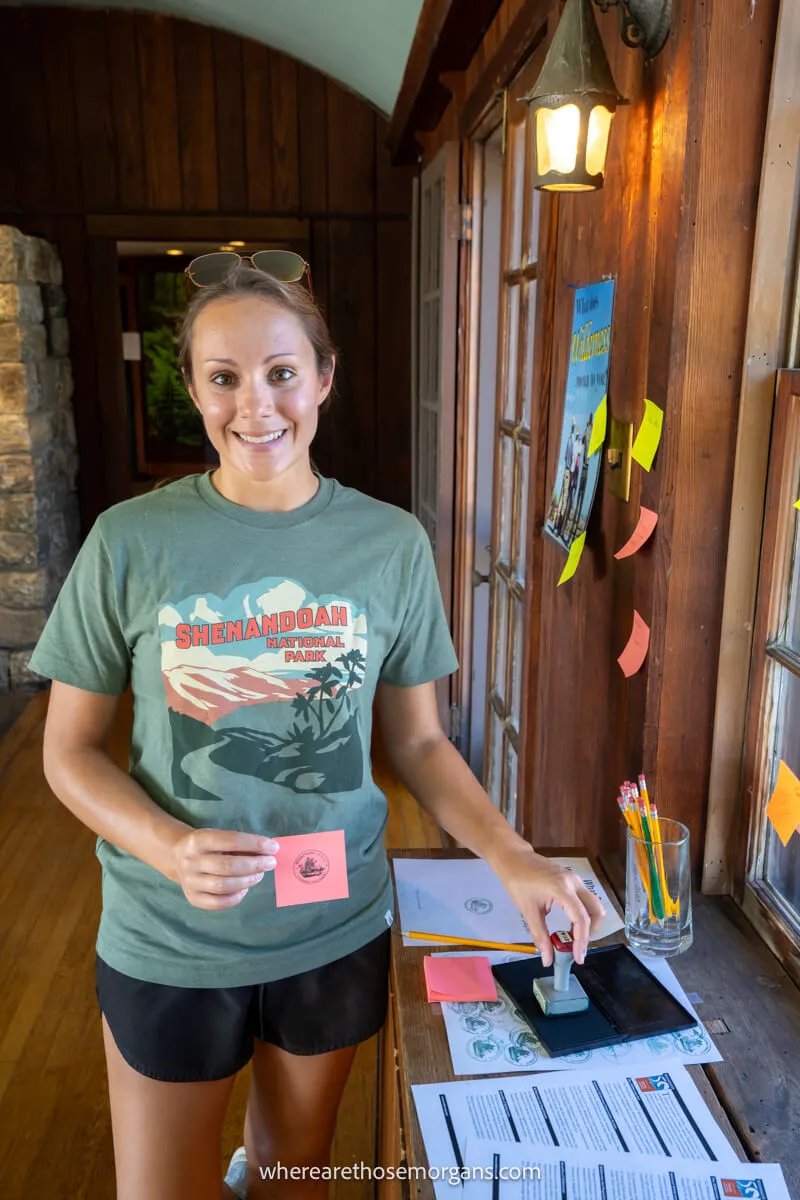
[577, 472]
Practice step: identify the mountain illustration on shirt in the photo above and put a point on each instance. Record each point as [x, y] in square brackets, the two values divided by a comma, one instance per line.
[261, 683]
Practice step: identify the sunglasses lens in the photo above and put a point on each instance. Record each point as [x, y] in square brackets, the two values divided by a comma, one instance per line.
[282, 264]
[211, 268]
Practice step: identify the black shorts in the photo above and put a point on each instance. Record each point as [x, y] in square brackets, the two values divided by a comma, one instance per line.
[189, 1034]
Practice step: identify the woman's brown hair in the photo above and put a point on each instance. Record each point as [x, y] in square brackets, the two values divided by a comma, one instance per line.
[246, 281]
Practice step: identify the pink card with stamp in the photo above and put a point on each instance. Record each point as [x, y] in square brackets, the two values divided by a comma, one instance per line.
[311, 866]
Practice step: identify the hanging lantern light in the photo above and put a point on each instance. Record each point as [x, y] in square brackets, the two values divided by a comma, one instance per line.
[573, 104]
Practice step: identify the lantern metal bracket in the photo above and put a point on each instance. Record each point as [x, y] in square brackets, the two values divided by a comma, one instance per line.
[645, 23]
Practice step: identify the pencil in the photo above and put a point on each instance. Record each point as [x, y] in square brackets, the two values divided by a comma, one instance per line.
[672, 906]
[656, 894]
[459, 941]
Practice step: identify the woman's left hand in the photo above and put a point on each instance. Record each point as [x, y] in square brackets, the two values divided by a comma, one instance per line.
[535, 884]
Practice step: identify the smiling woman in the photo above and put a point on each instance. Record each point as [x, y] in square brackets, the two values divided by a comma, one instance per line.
[259, 364]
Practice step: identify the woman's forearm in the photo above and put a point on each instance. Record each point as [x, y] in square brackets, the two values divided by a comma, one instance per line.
[442, 783]
[113, 805]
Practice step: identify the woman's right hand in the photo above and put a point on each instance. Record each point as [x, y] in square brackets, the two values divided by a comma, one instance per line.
[217, 867]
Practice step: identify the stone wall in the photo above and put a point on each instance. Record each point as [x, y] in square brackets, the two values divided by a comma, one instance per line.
[39, 523]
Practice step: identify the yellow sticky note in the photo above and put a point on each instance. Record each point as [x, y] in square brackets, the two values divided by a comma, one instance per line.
[797, 503]
[649, 435]
[598, 427]
[783, 810]
[571, 565]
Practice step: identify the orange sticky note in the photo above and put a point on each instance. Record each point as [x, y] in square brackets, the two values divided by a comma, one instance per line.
[783, 810]
[646, 525]
[459, 978]
[311, 866]
[635, 652]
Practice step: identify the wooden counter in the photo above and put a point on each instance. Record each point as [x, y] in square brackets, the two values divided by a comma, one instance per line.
[750, 1007]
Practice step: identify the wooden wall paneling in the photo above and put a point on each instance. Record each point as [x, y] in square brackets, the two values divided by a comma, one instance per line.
[285, 132]
[11, 159]
[69, 236]
[127, 110]
[258, 125]
[392, 184]
[713, 290]
[51, 28]
[26, 118]
[93, 110]
[159, 112]
[312, 103]
[328, 443]
[116, 434]
[352, 314]
[393, 379]
[351, 153]
[230, 123]
[197, 116]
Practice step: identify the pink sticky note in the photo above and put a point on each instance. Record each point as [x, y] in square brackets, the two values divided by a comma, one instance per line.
[459, 978]
[635, 652]
[311, 866]
[645, 526]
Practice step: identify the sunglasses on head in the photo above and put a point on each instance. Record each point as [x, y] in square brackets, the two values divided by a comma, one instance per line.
[285, 265]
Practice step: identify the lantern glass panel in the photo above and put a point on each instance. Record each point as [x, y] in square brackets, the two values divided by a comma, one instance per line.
[597, 140]
[557, 136]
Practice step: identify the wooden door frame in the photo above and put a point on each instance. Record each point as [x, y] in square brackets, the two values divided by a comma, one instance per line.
[780, 519]
[481, 112]
[766, 343]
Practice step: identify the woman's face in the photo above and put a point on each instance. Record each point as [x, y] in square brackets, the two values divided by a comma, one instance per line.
[256, 385]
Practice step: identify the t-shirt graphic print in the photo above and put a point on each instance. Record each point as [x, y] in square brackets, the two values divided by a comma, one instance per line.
[253, 643]
[261, 683]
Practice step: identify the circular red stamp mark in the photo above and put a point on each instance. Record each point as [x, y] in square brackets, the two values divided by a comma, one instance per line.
[311, 866]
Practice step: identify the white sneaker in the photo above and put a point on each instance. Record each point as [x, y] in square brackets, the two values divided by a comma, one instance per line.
[236, 1176]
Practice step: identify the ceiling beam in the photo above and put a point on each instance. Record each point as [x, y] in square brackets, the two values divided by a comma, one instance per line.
[448, 34]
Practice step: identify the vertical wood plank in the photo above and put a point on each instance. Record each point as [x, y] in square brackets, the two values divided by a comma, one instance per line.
[127, 110]
[197, 121]
[285, 158]
[52, 35]
[159, 112]
[258, 123]
[313, 134]
[393, 425]
[351, 152]
[352, 312]
[117, 435]
[25, 118]
[70, 239]
[92, 84]
[231, 169]
[392, 184]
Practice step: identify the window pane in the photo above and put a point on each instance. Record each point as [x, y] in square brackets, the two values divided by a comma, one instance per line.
[533, 249]
[495, 758]
[501, 626]
[782, 865]
[517, 663]
[793, 604]
[516, 148]
[512, 362]
[530, 329]
[522, 518]
[506, 496]
[510, 797]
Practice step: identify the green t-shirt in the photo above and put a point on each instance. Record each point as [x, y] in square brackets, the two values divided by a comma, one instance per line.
[253, 643]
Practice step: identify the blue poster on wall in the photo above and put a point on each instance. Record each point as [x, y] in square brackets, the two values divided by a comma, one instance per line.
[577, 472]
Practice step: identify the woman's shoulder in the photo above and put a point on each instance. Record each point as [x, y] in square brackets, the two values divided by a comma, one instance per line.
[140, 512]
[381, 515]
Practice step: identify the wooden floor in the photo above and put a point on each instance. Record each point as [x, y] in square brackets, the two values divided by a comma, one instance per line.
[55, 1133]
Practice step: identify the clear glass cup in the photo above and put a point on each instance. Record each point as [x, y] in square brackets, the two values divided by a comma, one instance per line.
[658, 892]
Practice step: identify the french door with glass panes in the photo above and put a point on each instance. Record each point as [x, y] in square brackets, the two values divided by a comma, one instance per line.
[512, 458]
